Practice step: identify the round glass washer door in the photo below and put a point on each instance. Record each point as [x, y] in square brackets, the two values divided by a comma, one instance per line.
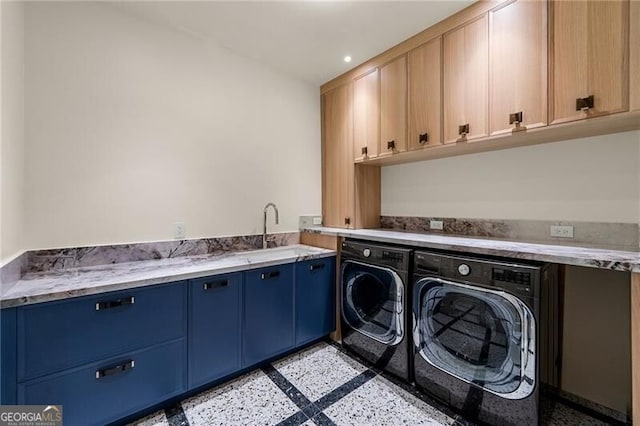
[482, 336]
[372, 301]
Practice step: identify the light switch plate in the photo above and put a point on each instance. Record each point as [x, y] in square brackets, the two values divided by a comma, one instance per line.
[436, 224]
[561, 231]
[179, 231]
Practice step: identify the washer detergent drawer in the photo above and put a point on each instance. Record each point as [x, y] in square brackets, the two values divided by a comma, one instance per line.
[59, 335]
[106, 391]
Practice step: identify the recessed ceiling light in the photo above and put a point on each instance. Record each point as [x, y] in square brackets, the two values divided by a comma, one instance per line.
[347, 58]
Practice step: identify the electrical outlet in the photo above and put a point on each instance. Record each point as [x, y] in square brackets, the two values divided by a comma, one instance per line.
[179, 231]
[561, 231]
[436, 224]
[317, 220]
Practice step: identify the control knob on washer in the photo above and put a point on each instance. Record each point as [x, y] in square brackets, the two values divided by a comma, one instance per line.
[464, 269]
[366, 252]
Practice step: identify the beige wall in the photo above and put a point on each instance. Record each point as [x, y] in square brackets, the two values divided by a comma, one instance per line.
[12, 130]
[132, 127]
[591, 179]
[596, 360]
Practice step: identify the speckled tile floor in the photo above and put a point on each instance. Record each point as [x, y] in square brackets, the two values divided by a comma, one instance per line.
[324, 385]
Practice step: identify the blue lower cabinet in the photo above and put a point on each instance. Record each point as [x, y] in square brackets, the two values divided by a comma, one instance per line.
[214, 327]
[8, 360]
[315, 299]
[268, 313]
[55, 336]
[106, 391]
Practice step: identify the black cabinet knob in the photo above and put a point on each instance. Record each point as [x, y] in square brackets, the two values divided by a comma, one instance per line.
[391, 145]
[347, 221]
[463, 129]
[364, 151]
[584, 104]
[423, 138]
[515, 118]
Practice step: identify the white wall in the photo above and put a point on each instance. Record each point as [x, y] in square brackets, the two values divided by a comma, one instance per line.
[12, 133]
[591, 179]
[131, 126]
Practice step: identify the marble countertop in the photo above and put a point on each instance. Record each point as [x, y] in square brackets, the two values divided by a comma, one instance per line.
[74, 282]
[617, 260]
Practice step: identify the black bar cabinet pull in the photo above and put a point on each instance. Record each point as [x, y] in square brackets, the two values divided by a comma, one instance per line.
[391, 145]
[215, 284]
[272, 274]
[100, 306]
[583, 104]
[423, 138]
[463, 129]
[316, 266]
[111, 371]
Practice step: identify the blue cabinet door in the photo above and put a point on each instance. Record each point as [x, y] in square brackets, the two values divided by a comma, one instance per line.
[81, 330]
[315, 299]
[268, 313]
[214, 327]
[108, 390]
[8, 361]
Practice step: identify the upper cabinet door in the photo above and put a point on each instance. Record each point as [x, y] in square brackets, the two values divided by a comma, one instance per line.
[518, 66]
[634, 52]
[338, 176]
[393, 106]
[425, 99]
[366, 116]
[466, 67]
[589, 54]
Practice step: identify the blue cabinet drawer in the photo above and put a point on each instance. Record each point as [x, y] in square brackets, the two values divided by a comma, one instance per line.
[315, 299]
[214, 327]
[268, 313]
[59, 335]
[105, 391]
[8, 356]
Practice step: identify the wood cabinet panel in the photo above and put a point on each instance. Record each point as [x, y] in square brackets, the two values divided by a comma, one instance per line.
[366, 116]
[393, 106]
[589, 54]
[634, 56]
[518, 65]
[424, 66]
[465, 68]
[338, 167]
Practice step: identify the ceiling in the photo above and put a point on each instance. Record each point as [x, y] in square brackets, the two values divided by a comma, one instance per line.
[305, 39]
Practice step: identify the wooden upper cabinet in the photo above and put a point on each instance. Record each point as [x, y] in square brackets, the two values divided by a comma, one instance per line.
[424, 90]
[518, 66]
[634, 52]
[589, 58]
[393, 106]
[366, 116]
[465, 68]
[338, 169]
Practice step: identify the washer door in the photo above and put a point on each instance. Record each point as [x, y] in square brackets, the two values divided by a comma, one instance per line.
[482, 336]
[372, 301]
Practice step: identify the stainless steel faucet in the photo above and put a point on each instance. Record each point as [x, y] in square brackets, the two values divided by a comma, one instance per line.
[264, 230]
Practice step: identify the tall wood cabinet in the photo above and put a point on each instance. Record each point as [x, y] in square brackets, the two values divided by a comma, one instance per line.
[518, 66]
[393, 106]
[589, 58]
[338, 168]
[424, 65]
[466, 66]
[366, 115]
